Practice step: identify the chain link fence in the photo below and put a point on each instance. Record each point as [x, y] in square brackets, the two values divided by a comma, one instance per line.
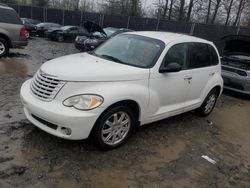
[67, 17]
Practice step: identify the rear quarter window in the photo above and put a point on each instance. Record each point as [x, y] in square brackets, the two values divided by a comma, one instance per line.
[9, 16]
[200, 55]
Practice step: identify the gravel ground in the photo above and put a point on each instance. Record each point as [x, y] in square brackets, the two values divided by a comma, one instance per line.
[163, 154]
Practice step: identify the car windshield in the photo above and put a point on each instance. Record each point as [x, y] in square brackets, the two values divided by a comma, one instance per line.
[109, 31]
[66, 27]
[131, 49]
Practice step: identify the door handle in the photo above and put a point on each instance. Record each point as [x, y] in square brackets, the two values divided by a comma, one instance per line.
[188, 78]
[212, 73]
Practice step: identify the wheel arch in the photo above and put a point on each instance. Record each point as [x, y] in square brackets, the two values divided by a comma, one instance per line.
[130, 103]
[6, 38]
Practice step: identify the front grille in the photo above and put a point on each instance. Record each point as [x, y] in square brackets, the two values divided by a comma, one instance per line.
[237, 71]
[45, 87]
[44, 122]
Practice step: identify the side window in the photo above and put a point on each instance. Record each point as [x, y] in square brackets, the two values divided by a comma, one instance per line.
[199, 55]
[177, 54]
[214, 60]
[9, 16]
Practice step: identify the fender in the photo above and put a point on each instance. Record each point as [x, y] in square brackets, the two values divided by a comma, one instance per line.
[112, 92]
[213, 82]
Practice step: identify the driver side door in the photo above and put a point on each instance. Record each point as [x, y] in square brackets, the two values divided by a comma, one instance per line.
[168, 90]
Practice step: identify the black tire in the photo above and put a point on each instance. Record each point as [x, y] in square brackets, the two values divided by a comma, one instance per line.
[4, 47]
[203, 110]
[97, 132]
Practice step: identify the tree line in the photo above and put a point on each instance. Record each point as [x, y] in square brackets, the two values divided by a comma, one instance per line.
[223, 12]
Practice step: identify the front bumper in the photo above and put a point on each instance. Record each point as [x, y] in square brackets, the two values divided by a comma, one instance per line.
[44, 114]
[80, 46]
[20, 43]
[237, 83]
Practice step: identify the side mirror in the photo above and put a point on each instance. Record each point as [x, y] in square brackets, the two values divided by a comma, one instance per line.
[172, 67]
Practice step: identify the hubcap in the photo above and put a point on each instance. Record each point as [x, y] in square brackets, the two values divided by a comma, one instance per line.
[2, 48]
[210, 103]
[116, 128]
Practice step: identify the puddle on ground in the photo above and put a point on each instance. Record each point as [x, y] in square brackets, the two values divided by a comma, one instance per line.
[10, 66]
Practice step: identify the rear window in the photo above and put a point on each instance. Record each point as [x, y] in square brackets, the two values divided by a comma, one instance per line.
[9, 16]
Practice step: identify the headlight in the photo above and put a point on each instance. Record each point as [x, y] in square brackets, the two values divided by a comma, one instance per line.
[84, 102]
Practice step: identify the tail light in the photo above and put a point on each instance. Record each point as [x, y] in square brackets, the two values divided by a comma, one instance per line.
[23, 32]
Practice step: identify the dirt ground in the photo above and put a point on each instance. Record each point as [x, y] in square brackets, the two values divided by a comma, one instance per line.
[163, 154]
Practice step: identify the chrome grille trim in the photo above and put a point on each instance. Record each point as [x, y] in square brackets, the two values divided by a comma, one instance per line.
[45, 87]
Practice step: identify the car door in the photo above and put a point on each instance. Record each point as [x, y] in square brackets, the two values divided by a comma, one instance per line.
[202, 71]
[168, 91]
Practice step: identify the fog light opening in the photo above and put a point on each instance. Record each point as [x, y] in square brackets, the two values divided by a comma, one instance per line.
[66, 131]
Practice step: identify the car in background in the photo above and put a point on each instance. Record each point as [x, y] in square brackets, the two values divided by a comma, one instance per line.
[71, 32]
[65, 33]
[84, 43]
[12, 32]
[130, 80]
[30, 25]
[41, 28]
[236, 64]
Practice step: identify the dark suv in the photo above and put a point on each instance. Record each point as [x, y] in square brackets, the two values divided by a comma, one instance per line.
[12, 31]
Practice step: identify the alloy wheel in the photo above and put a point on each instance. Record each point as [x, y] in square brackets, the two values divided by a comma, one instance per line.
[116, 128]
[210, 103]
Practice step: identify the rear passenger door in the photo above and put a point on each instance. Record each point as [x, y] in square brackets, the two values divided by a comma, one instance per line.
[202, 61]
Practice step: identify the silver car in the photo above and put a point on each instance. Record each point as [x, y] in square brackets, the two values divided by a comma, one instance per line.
[236, 73]
[12, 32]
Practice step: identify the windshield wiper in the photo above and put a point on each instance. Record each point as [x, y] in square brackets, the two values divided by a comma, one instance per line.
[112, 58]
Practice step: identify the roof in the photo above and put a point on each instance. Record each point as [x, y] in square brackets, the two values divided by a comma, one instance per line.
[168, 37]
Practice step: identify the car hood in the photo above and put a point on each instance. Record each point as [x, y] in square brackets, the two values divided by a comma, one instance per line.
[92, 27]
[86, 67]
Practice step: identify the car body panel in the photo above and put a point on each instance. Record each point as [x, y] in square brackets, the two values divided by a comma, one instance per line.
[86, 67]
[12, 30]
[236, 63]
[158, 95]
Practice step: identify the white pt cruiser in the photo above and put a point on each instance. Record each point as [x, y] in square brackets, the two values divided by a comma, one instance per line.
[132, 79]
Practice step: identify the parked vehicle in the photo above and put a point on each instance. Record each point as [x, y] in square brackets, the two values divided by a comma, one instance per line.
[67, 33]
[132, 79]
[236, 64]
[84, 43]
[70, 32]
[30, 25]
[41, 28]
[12, 31]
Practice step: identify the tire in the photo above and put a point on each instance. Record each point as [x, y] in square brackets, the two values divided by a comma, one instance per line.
[108, 136]
[4, 47]
[59, 38]
[208, 104]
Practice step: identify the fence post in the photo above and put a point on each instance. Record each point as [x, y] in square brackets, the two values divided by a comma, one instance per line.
[238, 30]
[192, 29]
[43, 14]
[128, 22]
[158, 23]
[46, 10]
[31, 12]
[18, 9]
[63, 17]
[103, 16]
[100, 19]
[81, 18]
